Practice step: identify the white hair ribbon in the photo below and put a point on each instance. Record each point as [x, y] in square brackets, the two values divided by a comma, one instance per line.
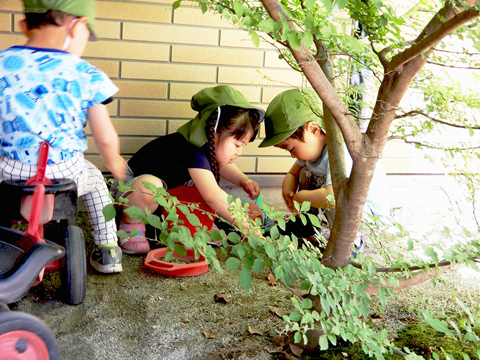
[218, 120]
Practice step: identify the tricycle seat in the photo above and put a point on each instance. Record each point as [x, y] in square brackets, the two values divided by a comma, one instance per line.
[21, 260]
[65, 204]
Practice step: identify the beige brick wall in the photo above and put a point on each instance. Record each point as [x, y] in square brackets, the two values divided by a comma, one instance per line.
[159, 58]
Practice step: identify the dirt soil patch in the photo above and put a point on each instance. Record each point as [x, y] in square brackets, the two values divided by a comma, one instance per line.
[139, 314]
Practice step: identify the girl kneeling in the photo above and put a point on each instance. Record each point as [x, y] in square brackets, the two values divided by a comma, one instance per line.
[202, 151]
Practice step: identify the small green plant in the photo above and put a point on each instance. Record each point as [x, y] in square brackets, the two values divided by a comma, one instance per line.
[336, 302]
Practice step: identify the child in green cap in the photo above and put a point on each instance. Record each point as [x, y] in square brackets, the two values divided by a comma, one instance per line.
[200, 153]
[47, 93]
[292, 125]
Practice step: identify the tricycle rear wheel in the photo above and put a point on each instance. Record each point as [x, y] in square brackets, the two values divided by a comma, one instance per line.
[74, 271]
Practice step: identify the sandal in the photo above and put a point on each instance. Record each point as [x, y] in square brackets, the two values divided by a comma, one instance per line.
[137, 244]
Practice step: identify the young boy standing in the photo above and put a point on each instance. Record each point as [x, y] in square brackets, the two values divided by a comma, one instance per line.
[290, 124]
[47, 93]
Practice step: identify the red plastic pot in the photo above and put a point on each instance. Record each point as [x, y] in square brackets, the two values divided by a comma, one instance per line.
[196, 267]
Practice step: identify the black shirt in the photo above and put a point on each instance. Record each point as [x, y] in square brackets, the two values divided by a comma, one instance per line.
[169, 157]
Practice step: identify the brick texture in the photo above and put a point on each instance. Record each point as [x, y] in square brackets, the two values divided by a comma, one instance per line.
[5, 22]
[159, 59]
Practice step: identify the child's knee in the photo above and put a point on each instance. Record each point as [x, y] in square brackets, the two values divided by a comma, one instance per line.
[150, 179]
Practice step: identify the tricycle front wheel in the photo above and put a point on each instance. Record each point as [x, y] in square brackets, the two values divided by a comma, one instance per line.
[23, 336]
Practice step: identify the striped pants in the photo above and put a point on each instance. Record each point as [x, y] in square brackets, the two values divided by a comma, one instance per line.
[91, 187]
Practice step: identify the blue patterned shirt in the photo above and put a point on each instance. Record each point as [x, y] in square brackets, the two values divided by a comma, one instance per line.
[44, 96]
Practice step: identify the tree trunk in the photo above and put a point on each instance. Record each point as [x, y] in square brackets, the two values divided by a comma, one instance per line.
[366, 149]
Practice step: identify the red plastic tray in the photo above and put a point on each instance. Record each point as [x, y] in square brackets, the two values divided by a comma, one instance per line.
[197, 267]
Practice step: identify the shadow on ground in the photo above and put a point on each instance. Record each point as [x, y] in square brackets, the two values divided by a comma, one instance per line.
[139, 314]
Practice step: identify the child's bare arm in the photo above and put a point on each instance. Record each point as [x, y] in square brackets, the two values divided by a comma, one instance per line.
[290, 184]
[106, 139]
[318, 197]
[213, 194]
[233, 174]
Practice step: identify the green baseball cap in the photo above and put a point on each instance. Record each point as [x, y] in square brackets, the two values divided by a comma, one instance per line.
[288, 111]
[205, 102]
[73, 7]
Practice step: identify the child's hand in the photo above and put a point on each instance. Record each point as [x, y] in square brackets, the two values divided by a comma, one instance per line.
[117, 166]
[288, 197]
[251, 188]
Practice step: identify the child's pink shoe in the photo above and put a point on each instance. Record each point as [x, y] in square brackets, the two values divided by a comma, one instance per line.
[136, 244]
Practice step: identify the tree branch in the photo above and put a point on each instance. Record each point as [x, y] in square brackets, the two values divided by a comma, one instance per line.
[405, 282]
[433, 33]
[319, 81]
[454, 66]
[429, 146]
[417, 112]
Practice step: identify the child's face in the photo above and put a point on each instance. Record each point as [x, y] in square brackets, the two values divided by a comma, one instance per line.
[310, 150]
[228, 149]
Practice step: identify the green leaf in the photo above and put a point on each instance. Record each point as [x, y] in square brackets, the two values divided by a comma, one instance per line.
[239, 251]
[341, 4]
[314, 220]
[295, 316]
[161, 201]
[172, 217]
[303, 219]
[307, 40]
[333, 339]
[383, 21]
[323, 342]
[233, 237]
[134, 212]
[297, 337]
[215, 234]
[295, 203]
[328, 5]
[258, 265]
[193, 219]
[176, 4]
[293, 40]
[149, 186]
[122, 234]
[476, 45]
[238, 8]
[281, 223]
[180, 250]
[154, 221]
[381, 297]
[274, 234]
[133, 233]
[305, 206]
[307, 303]
[278, 271]
[270, 250]
[438, 325]
[410, 244]
[232, 263]
[266, 26]
[255, 39]
[109, 212]
[245, 278]
[430, 252]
